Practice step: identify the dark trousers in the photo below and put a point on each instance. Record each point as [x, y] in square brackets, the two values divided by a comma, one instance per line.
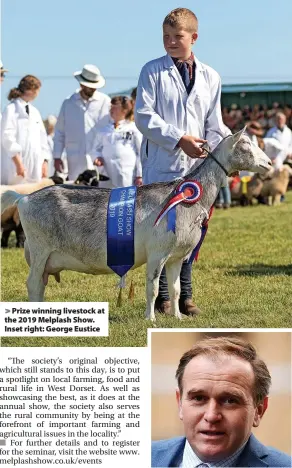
[185, 283]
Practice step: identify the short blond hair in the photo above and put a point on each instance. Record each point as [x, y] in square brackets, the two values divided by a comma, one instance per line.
[183, 18]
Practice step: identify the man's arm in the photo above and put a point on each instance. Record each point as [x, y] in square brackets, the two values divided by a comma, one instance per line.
[150, 124]
[215, 129]
[104, 115]
[137, 140]
[8, 139]
[46, 152]
[153, 127]
[59, 137]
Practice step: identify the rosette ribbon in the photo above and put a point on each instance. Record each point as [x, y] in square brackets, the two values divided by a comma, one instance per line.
[188, 191]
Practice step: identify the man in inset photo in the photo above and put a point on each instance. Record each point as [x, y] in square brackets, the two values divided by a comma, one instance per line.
[222, 394]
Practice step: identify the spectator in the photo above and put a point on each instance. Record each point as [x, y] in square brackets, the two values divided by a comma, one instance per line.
[272, 147]
[117, 146]
[2, 72]
[254, 130]
[2, 76]
[224, 198]
[133, 97]
[25, 150]
[281, 132]
[81, 115]
[172, 131]
[49, 124]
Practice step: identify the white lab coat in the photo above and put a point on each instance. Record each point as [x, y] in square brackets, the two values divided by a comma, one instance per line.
[51, 168]
[284, 137]
[25, 135]
[120, 149]
[276, 152]
[76, 128]
[164, 112]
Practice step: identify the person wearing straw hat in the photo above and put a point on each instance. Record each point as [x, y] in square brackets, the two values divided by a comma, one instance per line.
[81, 116]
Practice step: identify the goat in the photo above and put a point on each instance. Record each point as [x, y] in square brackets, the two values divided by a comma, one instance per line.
[66, 227]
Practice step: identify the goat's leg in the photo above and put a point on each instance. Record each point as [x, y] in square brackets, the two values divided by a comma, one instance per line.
[154, 268]
[35, 283]
[173, 270]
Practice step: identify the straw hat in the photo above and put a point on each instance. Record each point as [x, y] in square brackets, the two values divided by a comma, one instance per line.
[90, 77]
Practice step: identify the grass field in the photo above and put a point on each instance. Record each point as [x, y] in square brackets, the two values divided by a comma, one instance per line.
[243, 279]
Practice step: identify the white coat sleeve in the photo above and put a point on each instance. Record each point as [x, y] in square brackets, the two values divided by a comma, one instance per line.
[104, 115]
[215, 129]
[150, 124]
[97, 147]
[9, 132]
[59, 137]
[137, 146]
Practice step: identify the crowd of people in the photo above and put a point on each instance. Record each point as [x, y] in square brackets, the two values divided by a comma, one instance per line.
[156, 135]
[90, 130]
[93, 130]
[235, 117]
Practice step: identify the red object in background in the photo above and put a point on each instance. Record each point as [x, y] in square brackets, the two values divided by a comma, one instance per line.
[234, 182]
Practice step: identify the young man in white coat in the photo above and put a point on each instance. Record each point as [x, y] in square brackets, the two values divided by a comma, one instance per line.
[81, 115]
[177, 109]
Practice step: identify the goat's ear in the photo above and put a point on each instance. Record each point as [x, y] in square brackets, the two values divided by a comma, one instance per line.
[238, 135]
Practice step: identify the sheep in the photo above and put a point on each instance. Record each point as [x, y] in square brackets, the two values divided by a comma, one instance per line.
[276, 186]
[10, 218]
[66, 227]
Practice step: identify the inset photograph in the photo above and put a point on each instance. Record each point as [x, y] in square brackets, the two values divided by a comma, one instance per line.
[221, 399]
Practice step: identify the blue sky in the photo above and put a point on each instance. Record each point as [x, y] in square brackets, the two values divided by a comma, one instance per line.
[245, 41]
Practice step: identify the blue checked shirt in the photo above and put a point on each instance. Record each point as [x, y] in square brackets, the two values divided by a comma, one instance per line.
[191, 460]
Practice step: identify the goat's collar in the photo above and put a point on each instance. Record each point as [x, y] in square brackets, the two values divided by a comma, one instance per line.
[216, 160]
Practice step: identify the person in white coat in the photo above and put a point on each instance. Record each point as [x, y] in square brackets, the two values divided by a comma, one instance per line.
[24, 146]
[117, 146]
[272, 146]
[281, 132]
[81, 115]
[177, 109]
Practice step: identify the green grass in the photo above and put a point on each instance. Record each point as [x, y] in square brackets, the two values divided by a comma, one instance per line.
[243, 279]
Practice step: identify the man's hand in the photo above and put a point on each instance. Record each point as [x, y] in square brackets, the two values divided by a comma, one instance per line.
[138, 181]
[98, 162]
[58, 165]
[45, 169]
[190, 145]
[20, 170]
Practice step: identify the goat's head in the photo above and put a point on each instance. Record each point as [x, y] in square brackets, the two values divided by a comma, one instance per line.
[243, 155]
